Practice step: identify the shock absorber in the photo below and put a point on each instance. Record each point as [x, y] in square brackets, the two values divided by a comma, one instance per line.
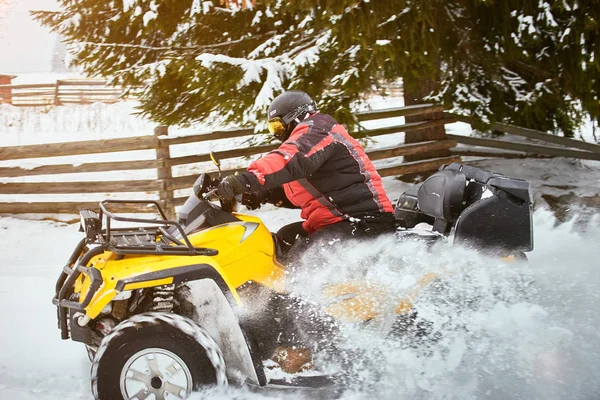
[162, 298]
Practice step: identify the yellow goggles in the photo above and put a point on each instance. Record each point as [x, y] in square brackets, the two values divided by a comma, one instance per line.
[276, 126]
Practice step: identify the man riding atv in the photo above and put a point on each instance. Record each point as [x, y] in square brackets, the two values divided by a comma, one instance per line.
[319, 168]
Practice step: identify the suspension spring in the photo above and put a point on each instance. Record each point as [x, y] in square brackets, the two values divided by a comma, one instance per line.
[162, 298]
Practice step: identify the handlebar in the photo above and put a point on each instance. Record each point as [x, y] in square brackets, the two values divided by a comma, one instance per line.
[208, 191]
[211, 193]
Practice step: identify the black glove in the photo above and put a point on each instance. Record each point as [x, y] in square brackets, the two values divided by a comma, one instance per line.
[253, 200]
[230, 187]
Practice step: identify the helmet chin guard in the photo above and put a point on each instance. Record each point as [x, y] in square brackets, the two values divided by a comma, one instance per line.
[287, 110]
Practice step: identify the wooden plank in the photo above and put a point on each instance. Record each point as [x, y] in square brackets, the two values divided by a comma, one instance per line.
[466, 152]
[79, 91]
[77, 148]
[75, 95]
[534, 134]
[410, 149]
[33, 94]
[67, 207]
[9, 172]
[94, 88]
[409, 127]
[222, 155]
[417, 166]
[373, 154]
[526, 147]
[186, 182]
[546, 137]
[178, 201]
[29, 86]
[83, 82]
[89, 101]
[458, 117]
[364, 133]
[78, 187]
[45, 104]
[216, 135]
[391, 152]
[405, 111]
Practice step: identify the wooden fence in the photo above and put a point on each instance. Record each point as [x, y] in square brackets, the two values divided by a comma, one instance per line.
[71, 91]
[166, 184]
[539, 145]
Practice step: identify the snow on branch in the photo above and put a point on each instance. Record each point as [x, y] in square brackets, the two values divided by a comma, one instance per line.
[163, 48]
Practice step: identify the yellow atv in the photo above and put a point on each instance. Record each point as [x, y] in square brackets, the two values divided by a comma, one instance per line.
[166, 307]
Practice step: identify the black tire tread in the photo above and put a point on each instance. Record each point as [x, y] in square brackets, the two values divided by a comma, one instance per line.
[182, 324]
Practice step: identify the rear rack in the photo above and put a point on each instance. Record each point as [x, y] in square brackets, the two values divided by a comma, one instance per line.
[143, 240]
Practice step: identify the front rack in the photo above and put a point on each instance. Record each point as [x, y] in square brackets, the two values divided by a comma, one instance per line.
[143, 240]
[140, 241]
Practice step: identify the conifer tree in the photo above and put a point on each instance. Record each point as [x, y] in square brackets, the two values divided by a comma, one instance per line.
[532, 63]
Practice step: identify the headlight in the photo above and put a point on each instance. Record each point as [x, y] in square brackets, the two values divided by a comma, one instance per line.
[90, 224]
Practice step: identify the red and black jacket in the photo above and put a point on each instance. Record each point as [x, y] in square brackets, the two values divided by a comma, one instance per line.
[324, 171]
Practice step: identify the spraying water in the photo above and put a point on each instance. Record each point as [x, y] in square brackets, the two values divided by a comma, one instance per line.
[486, 328]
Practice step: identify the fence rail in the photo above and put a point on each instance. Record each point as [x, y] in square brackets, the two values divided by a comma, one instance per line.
[166, 184]
[77, 148]
[75, 91]
[526, 148]
[563, 147]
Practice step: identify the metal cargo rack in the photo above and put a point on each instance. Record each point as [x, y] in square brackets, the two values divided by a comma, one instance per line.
[143, 240]
[140, 241]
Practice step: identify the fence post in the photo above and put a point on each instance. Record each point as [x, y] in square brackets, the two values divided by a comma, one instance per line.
[56, 94]
[163, 154]
[6, 94]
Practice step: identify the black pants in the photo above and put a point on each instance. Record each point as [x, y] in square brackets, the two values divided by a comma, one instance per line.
[294, 240]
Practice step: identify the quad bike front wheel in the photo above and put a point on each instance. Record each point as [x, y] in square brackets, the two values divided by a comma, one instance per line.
[156, 356]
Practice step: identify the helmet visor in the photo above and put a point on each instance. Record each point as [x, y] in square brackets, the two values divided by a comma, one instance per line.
[276, 126]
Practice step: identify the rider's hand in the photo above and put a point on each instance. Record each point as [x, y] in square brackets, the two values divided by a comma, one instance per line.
[253, 200]
[230, 187]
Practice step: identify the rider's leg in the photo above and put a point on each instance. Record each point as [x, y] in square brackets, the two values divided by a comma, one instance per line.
[291, 232]
[287, 236]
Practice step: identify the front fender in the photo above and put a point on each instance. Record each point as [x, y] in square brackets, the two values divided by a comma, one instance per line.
[131, 273]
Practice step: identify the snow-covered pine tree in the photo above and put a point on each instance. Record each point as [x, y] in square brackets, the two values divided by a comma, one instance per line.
[529, 62]
[532, 63]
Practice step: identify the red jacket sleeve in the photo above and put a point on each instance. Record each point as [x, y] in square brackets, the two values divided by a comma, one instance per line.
[298, 157]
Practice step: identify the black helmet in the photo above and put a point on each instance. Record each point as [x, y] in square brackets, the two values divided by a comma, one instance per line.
[287, 110]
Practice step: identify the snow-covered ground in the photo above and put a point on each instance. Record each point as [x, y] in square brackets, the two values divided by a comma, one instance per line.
[542, 344]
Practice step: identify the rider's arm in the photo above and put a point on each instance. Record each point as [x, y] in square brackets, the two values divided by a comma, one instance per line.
[298, 157]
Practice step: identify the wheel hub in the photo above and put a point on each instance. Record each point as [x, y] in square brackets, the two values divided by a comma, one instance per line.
[156, 382]
[155, 374]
